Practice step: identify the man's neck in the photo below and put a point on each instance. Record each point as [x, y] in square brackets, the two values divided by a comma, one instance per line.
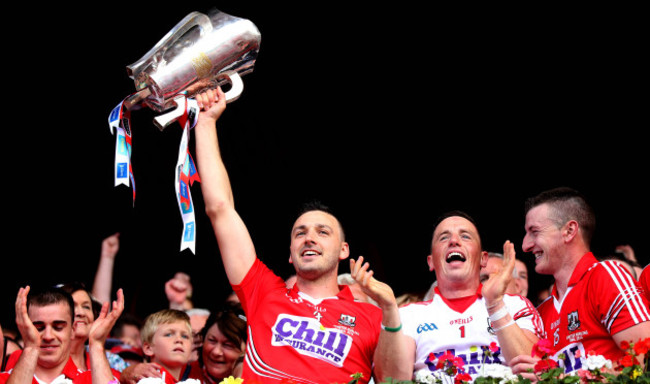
[48, 374]
[319, 288]
[454, 290]
[563, 274]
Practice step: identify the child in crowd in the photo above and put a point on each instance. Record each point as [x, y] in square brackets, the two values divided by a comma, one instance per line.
[167, 341]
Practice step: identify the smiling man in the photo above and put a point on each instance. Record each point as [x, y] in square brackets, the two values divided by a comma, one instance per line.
[45, 322]
[593, 306]
[314, 332]
[464, 317]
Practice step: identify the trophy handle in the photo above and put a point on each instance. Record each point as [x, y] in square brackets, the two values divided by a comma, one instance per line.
[231, 76]
[237, 85]
[162, 121]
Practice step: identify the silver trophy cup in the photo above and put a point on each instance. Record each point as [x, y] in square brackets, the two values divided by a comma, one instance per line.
[200, 52]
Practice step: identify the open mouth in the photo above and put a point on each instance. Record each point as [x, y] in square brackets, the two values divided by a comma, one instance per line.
[455, 256]
[309, 252]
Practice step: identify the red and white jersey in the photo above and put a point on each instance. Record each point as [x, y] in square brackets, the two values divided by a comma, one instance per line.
[461, 326]
[294, 337]
[644, 281]
[602, 299]
[70, 372]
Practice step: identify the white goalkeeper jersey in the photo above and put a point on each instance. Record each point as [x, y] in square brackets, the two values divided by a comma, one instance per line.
[461, 326]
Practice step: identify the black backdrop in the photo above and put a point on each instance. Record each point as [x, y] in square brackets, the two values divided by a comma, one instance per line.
[391, 115]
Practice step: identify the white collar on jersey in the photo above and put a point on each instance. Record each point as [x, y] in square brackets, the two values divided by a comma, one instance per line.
[313, 300]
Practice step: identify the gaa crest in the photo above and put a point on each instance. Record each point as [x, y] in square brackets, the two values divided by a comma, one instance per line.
[574, 321]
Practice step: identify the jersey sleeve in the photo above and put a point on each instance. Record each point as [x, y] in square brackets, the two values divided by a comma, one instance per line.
[257, 283]
[644, 281]
[523, 312]
[618, 302]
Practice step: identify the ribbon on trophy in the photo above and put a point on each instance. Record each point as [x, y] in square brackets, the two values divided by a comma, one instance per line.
[186, 175]
[119, 123]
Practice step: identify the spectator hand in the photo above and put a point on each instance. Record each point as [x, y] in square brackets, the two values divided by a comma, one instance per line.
[110, 246]
[31, 336]
[178, 289]
[101, 327]
[134, 373]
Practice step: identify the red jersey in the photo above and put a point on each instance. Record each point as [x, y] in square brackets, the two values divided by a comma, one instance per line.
[644, 281]
[70, 371]
[602, 299]
[195, 370]
[294, 337]
[13, 359]
[167, 377]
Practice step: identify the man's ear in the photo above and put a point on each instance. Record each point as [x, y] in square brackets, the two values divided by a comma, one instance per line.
[345, 251]
[570, 230]
[484, 259]
[430, 262]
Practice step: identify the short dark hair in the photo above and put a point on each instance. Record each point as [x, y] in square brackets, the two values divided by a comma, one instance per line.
[49, 296]
[453, 213]
[567, 204]
[457, 213]
[317, 205]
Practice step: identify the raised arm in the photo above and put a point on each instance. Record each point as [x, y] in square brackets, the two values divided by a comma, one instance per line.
[513, 340]
[102, 284]
[395, 353]
[235, 244]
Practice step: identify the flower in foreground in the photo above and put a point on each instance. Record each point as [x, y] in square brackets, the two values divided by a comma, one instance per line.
[542, 348]
[231, 380]
[594, 362]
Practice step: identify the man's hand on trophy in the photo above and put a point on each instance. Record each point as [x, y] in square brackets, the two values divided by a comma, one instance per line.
[212, 103]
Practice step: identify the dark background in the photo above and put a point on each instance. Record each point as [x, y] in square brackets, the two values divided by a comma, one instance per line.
[391, 115]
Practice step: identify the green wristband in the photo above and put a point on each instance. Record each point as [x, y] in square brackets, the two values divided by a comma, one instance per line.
[389, 329]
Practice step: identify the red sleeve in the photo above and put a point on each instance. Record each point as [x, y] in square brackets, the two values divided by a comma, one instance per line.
[12, 359]
[257, 283]
[644, 281]
[620, 303]
[85, 377]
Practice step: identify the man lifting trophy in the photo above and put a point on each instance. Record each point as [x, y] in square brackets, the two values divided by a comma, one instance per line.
[201, 52]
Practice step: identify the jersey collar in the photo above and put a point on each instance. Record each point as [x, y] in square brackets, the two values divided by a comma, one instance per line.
[344, 293]
[460, 304]
[587, 261]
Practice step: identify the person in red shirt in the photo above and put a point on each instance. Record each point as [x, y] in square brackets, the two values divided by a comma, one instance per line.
[644, 281]
[594, 306]
[45, 322]
[314, 332]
